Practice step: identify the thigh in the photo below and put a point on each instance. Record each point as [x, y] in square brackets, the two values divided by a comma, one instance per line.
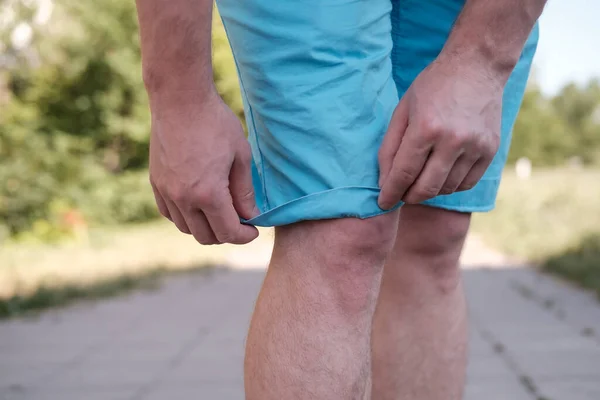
[420, 30]
[316, 79]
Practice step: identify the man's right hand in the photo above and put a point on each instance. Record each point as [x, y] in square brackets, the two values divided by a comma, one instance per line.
[200, 168]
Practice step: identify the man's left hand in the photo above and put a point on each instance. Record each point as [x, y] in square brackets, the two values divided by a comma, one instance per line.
[443, 135]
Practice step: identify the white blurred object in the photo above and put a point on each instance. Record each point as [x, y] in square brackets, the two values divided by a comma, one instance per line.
[523, 168]
[21, 36]
[7, 16]
[44, 11]
[596, 115]
[575, 162]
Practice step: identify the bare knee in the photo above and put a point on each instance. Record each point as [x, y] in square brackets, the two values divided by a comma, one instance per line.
[343, 256]
[433, 239]
[432, 232]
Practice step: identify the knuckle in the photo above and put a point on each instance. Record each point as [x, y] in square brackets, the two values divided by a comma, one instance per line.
[431, 125]
[489, 147]
[488, 152]
[183, 229]
[431, 135]
[424, 193]
[177, 194]
[205, 241]
[163, 212]
[449, 189]
[412, 199]
[405, 176]
[205, 196]
[247, 195]
[226, 237]
[428, 192]
[458, 140]
[158, 186]
[495, 141]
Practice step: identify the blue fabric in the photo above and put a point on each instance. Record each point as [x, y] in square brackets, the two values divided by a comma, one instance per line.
[320, 80]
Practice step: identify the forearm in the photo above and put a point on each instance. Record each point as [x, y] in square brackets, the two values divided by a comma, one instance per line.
[493, 32]
[176, 46]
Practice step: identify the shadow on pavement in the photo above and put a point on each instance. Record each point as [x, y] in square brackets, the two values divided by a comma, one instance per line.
[532, 337]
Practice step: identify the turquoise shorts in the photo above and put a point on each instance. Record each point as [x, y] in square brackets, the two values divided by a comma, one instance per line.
[320, 80]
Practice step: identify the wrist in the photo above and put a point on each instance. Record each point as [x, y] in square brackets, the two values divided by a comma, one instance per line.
[480, 58]
[166, 80]
[186, 102]
[178, 93]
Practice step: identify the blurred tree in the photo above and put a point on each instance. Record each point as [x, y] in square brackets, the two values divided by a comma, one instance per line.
[540, 134]
[552, 131]
[224, 69]
[76, 112]
[579, 107]
[74, 120]
[88, 85]
[75, 115]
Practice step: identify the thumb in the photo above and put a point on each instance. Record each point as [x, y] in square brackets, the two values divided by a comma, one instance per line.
[240, 185]
[392, 139]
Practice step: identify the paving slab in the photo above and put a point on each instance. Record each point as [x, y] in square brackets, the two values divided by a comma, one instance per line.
[532, 337]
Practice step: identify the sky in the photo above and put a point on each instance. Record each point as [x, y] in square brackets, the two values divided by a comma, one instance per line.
[569, 46]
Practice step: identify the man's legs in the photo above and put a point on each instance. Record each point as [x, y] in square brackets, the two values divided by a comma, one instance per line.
[310, 333]
[420, 326]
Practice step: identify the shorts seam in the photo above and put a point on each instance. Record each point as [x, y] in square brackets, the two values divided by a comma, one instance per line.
[259, 165]
[397, 37]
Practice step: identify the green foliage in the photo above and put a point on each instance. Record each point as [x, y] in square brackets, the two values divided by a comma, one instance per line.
[552, 219]
[580, 108]
[75, 132]
[88, 84]
[48, 297]
[552, 131]
[540, 134]
[580, 263]
[74, 126]
[125, 198]
[224, 69]
[547, 214]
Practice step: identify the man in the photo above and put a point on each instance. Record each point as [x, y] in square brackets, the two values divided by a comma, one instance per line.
[354, 108]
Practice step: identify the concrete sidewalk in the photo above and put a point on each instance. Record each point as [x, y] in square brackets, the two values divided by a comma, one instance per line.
[532, 338]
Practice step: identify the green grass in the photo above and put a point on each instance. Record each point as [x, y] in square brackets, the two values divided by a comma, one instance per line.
[552, 219]
[580, 264]
[106, 262]
[45, 297]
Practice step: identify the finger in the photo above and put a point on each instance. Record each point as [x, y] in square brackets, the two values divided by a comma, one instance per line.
[474, 175]
[408, 163]
[160, 202]
[200, 228]
[432, 177]
[225, 222]
[392, 139]
[461, 168]
[240, 185]
[177, 217]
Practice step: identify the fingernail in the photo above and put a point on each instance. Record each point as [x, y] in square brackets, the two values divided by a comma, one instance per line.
[384, 206]
[255, 211]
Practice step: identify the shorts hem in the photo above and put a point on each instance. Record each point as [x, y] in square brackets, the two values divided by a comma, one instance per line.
[361, 202]
[343, 202]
